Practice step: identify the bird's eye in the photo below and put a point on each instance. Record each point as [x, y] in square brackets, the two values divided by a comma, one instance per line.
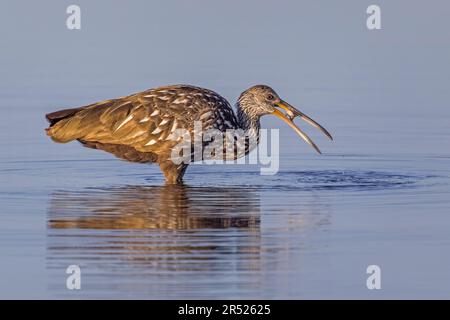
[270, 97]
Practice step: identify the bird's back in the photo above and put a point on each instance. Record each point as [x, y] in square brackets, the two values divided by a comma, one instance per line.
[142, 122]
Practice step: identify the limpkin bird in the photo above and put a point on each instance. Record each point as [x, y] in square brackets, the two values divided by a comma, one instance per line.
[140, 127]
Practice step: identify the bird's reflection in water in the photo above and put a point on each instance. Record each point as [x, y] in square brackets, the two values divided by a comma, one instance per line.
[157, 229]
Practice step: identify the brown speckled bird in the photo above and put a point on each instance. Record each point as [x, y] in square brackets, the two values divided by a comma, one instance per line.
[139, 127]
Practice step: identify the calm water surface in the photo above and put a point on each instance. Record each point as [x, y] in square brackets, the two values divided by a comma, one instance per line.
[309, 231]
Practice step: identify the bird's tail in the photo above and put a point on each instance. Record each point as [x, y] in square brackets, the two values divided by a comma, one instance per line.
[58, 120]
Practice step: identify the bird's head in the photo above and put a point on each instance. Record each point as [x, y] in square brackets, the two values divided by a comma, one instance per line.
[261, 100]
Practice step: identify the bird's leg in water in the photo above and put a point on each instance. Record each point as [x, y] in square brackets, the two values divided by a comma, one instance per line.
[173, 172]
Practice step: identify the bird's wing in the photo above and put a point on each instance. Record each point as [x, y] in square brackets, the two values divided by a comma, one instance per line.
[131, 121]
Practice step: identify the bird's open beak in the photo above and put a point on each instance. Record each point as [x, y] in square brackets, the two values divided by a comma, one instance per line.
[291, 114]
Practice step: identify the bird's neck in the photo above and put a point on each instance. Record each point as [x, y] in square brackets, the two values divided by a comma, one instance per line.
[250, 124]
